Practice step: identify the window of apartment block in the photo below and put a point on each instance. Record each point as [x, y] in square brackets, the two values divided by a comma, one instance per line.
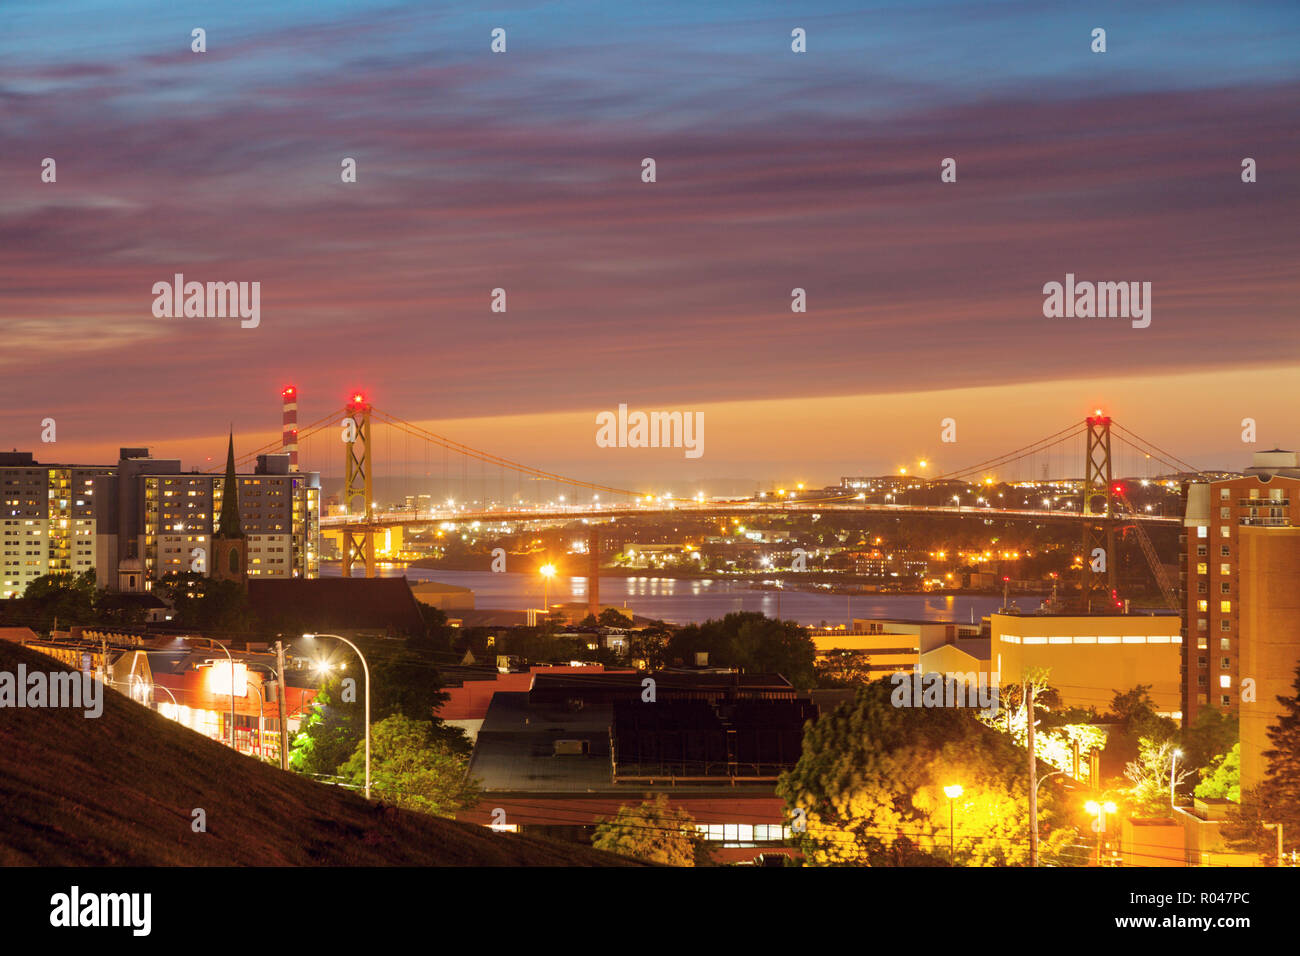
[1225, 512]
[1225, 625]
[1202, 624]
[1202, 605]
[1202, 568]
[1202, 662]
[1225, 643]
[1202, 681]
[1225, 663]
[1202, 587]
[1225, 587]
[1225, 551]
[1225, 680]
[1225, 494]
[1225, 569]
[1225, 607]
[1225, 531]
[1225, 700]
[1202, 550]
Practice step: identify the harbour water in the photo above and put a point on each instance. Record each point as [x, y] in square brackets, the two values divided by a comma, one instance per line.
[688, 601]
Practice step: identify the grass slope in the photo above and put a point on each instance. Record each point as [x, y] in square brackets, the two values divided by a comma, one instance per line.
[120, 790]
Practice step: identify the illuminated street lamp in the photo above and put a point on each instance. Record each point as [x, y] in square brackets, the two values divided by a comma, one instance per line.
[232, 690]
[1099, 825]
[365, 667]
[547, 572]
[952, 792]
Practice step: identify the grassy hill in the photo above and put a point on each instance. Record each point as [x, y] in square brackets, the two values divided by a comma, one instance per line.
[120, 790]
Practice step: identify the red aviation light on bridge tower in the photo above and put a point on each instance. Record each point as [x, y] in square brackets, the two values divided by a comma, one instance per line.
[1098, 418]
[357, 400]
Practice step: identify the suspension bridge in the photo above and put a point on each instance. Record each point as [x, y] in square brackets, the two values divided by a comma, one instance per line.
[494, 488]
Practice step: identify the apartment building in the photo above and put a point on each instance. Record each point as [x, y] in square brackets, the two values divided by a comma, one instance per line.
[48, 519]
[144, 517]
[1223, 520]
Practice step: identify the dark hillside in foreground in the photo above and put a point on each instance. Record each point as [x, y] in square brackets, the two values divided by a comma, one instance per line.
[120, 790]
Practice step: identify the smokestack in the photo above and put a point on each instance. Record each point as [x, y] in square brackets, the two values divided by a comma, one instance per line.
[289, 440]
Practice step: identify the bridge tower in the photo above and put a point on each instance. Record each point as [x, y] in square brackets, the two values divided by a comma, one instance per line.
[358, 545]
[1097, 580]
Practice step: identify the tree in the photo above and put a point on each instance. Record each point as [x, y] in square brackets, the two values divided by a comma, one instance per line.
[612, 617]
[66, 598]
[843, 669]
[1222, 779]
[650, 644]
[1283, 758]
[652, 830]
[329, 734]
[411, 767]
[208, 605]
[869, 789]
[1136, 712]
[1277, 798]
[1209, 738]
[1149, 775]
[753, 642]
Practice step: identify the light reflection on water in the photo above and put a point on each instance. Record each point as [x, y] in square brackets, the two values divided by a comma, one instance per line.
[685, 601]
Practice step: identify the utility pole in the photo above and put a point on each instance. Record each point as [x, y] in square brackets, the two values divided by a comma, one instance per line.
[284, 709]
[1031, 693]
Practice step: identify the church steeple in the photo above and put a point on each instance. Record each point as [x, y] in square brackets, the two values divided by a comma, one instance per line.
[229, 521]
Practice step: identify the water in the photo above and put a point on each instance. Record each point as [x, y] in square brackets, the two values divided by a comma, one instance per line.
[682, 601]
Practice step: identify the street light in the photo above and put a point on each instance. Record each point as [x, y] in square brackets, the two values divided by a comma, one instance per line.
[232, 690]
[365, 667]
[952, 792]
[547, 571]
[1099, 825]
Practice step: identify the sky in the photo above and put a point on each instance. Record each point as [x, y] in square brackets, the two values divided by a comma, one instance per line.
[775, 170]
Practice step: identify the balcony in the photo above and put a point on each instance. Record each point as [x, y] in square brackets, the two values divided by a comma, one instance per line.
[1266, 522]
[1263, 502]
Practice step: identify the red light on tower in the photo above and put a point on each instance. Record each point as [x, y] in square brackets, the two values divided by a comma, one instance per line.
[289, 435]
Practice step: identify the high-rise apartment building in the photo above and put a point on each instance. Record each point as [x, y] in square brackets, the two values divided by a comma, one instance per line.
[1233, 530]
[144, 517]
[48, 519]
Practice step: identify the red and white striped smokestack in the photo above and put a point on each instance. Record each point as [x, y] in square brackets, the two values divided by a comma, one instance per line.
[289, 440]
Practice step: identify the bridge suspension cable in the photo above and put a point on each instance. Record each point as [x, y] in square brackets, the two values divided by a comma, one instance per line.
[489, 458]
[277, 443]
[1153, 450]
[1065, 434]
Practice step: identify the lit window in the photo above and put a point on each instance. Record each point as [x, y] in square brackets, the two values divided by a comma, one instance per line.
[1225, 680]
[1202, 532]
[1225, 607]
